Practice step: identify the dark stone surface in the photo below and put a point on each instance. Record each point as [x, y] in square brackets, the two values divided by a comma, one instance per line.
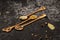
[9, 16]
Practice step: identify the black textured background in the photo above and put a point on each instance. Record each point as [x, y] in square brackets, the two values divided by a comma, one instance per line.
[36, 28]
